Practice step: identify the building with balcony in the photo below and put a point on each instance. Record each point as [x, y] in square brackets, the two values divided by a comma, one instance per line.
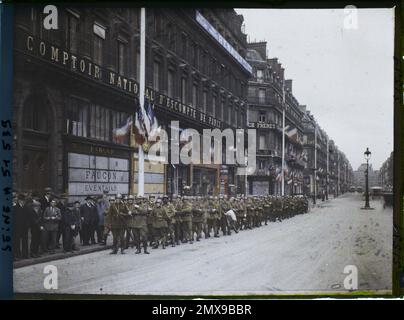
[268, 92]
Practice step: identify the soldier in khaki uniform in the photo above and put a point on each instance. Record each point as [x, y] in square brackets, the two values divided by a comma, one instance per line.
[250, 211]
[177, 203]
[171, 219]
[140, 224]
[116, 219]
[130, 206]
[186, 220]
[197, 218]
[223, 208]
[149, 203]
[211, 218]
[160, 224]
[240, 213]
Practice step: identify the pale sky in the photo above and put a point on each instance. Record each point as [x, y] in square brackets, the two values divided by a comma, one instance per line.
[344, 76]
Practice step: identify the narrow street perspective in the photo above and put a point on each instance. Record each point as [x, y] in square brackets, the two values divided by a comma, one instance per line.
[303, 254]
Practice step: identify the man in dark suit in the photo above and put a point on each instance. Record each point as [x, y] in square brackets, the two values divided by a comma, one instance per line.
[36, 227]
[21, 227]
[62, 205]
[87, 220]
[52, 217]
[94, 221]
[46, 198]
[70, 226]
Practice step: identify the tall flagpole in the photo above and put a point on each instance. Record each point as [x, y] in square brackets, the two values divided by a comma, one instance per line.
[283, 139]
[327, 167]
[141, 95]
[315, 162]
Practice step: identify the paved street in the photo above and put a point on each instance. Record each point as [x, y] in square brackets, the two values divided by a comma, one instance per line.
[306, 253]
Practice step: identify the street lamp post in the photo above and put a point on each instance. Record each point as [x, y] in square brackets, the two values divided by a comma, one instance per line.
[367, 154]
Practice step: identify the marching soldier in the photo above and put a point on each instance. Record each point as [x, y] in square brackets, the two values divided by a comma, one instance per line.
[223, 208]
[240, 213]
[186, 220]
[140, 224]
[171, 219]
[159, 225]
[129, 221]
[178, 219]
[116, 217]
[197, 218]
[150, 204]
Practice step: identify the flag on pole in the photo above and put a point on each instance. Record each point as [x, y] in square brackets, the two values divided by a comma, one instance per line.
[139, 130]
[154, 126]
[145, 117]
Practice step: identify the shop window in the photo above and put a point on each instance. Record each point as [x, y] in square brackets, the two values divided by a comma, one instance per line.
[77, 117]
[100, 123]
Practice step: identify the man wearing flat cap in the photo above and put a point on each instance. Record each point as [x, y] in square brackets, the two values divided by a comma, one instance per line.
[46, 198]
[51, 217]
[21, 227]
[36, 227]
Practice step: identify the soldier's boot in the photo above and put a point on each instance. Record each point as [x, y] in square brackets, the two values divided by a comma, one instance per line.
[114, 251]
[156, 244]
[145, 248]
[138, 249]
[123, 251]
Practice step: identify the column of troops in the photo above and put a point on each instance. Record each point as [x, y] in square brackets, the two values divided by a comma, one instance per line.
[136, 221]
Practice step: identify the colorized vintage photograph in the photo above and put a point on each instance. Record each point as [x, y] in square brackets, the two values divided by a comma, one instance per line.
[202, 151]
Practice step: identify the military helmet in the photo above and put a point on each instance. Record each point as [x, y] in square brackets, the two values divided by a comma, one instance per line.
[118, 196]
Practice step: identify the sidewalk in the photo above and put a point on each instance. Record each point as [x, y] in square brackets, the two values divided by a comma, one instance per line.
[59, 254]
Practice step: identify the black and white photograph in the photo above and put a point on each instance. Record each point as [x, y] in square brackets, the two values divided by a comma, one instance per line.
[202, 151]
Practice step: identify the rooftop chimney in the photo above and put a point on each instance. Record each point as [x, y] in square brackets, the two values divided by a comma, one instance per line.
[261, 48]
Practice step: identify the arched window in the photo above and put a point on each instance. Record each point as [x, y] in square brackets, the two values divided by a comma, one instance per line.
[36, 115]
